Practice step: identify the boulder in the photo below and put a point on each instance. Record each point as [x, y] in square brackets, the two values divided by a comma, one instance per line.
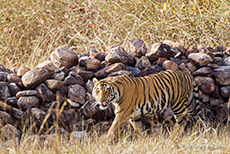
[222, 75]
[136, 46]
[64, 56]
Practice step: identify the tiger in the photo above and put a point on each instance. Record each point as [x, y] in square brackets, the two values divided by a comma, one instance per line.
[147, 95]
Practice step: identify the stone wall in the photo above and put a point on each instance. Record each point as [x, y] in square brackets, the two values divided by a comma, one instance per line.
[58, 92]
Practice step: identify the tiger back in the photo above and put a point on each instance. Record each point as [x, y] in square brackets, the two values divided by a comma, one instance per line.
[136, 96]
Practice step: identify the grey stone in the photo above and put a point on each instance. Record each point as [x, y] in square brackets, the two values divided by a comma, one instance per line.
[227, 60]
[76, 93]
[204, 71]
[26, 93]
[49, 66]
[28, 102]
[14, 78]
[93, 64]
[9, 132]
[34, 77]
[200, 59]
[142, 63]
[116, 54]
[64, 56]
[73, 103]
[6, 118]
[89, 86]
[160, 50]
[225, 91]
[13, 88]
[136, 46]
[54, 85]
[170, 65]
[121, 72]
[86, 75]
[59, 76]
[95, 54]
[134, 70]
[3, 76]
[45, 93]
[4, 91]
[222, 75]
[22, 70]
[206, 84]
[12, 101]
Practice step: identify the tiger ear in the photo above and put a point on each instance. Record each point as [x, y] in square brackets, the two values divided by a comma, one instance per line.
[95, 80]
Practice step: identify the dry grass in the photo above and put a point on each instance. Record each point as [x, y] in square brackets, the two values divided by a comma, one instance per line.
[31, 29]
[208, 141]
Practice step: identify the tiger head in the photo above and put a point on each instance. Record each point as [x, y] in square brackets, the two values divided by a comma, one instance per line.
[104, 92]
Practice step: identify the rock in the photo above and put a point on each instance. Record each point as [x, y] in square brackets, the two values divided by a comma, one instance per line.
[220, 48]
[222, 75]
[225, 91]
[93, 64]
[213, 66]
[34, 77]
[219, 61]
[21, 71]
[55, 85]
[206, 84]
[102, 72]
[3, 76]
[76, 93]
[200, 59]
[64, 56]
[13, 88]
[116, 54]
[205, 98]
[176, 60]
[227, 61]
[4, 69]
[160, 50]
[17, 113]
[9, 132]
[115, 67]
[191, 50]
[82, 60]
[222, 112]
[136, 46]
[216, 93]
[134, 70]
[14, 78]
[176, 45]
[142, 63]
[6, 118]
[183, 67]
[131, 59]
[160, 61]
[204, 71]
[38, 114]
[121, 72]
[26, 93]
[73, 104]
[191, 66]
[86, 75]
[203, 49]
[215, 101]
[45, 94]
[49, 66]
[59, 76]
[28, 102]
[170, 65]
[95, 54]
[77, 136]
[152, 70]
[79, 79]
[89, 86]
[12, 101]
[90, 110]
[61, 95]
[4, 91]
